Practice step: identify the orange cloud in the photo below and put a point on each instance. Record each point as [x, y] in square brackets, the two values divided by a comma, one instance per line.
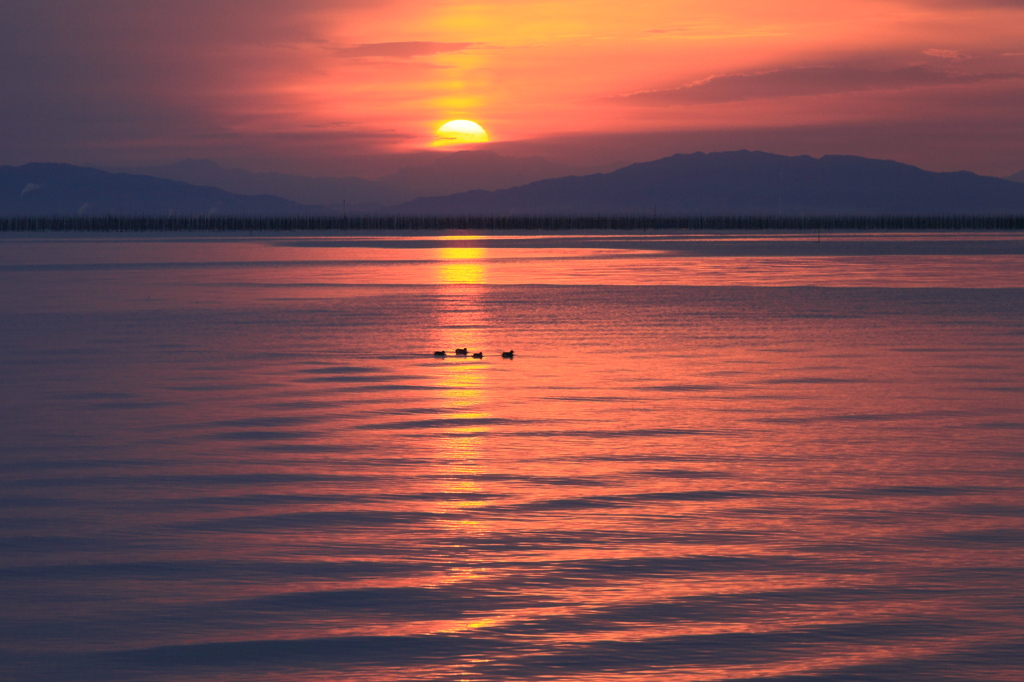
[403, 50]
[953, 55]
[812, 80]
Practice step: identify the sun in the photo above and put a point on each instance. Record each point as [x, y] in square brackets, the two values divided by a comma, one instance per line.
[460, 131]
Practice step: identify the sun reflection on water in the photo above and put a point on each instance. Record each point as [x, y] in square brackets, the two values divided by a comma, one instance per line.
[460, 458]
[462, 265]
[463, 400]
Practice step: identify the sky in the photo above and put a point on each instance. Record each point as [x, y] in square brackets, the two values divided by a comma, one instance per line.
[358, 87]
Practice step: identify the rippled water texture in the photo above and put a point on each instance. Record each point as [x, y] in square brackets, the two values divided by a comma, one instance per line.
[711, 458]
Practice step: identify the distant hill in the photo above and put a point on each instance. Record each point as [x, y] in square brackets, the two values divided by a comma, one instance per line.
[744, 183]
[354, 193]
[443, 173]
[464, 170]
[1017, 177]
[53, 189]
[726, 183]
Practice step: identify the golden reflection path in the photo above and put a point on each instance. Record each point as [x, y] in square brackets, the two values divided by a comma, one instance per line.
[462, 322]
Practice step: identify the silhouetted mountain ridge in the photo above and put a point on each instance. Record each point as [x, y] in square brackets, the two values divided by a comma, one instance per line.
[57, 189]
[721, 183]
[429, 174]
[354, 192]
[744, 183]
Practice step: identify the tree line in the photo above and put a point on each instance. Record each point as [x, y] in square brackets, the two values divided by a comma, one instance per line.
[517, 223]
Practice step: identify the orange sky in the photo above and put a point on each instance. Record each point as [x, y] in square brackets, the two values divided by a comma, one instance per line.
[303, 83]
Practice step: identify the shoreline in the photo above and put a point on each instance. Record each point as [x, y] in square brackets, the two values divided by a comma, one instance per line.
[512, 225]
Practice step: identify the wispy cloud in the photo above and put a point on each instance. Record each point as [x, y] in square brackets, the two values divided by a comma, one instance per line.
[952, 55]
[401, 50]
[970, 4]
[718, 31]
[803, 81]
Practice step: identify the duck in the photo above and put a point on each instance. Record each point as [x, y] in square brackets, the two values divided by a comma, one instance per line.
[462, 351]
[440, 353]
[508, 354]
[478, 355]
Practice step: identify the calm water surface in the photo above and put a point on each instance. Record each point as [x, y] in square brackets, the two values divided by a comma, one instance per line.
[712, 458]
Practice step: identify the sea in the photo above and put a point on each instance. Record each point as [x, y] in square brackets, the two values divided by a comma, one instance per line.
[784, 456]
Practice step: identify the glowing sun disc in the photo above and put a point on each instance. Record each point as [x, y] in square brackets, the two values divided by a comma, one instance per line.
[460, 131]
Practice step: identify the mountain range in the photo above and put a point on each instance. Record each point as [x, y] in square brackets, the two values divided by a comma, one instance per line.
[58, 189]
[429, 175]
[313, 191]
[744, 183]
[721, 183]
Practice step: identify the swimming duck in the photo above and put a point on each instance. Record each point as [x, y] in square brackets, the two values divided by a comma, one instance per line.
[508, 354]
[478, 355]
[462, 351]
[440, 353]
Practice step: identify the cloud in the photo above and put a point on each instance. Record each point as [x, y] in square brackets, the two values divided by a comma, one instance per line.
[812, 80]
[971, 139]
[952, 55]
[404, 50]
[968, 5]
[711, 30]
